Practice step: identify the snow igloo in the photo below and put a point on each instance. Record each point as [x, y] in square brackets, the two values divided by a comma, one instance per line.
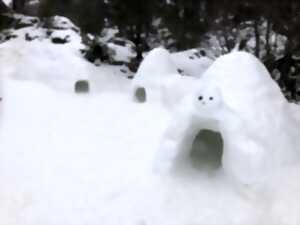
[158, 77]
[237, 118]
[148, 81]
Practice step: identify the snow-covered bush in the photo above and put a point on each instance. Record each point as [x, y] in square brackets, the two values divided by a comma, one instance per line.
[109, 48]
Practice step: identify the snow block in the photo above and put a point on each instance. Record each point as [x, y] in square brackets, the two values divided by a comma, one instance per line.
[237, 98]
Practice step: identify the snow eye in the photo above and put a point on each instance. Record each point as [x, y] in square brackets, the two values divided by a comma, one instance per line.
[211, 98]
[200, 98]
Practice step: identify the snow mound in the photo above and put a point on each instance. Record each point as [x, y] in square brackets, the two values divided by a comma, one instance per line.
[157, 63]
[57, 65]
[233, 93]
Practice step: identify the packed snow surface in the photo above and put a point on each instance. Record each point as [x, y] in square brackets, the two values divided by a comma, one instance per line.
[87, 159]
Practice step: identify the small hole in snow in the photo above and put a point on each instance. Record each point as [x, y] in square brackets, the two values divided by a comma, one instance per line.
[200, 98]
[140, 94]
[82, 86]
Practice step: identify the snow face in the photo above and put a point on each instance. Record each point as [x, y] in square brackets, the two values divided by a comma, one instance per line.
[209, 102]
[233, 93]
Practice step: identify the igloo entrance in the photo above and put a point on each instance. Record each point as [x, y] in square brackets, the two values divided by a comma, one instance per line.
[140, 94]
[82, 86]
[207, 149]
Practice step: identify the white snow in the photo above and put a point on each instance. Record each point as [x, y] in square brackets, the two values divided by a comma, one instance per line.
[87, 159]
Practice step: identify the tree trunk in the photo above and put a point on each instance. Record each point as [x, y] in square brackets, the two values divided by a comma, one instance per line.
[257, 38]
[268, 47]
[18, 5]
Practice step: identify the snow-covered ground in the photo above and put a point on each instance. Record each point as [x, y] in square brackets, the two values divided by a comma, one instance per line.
[72, 159]
[86, 159]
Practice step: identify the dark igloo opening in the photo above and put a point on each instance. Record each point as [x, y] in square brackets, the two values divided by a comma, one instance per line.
[207, 150]
[140, 94]
[82, 86]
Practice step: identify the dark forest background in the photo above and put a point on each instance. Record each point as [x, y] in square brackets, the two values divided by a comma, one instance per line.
[270, 29]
